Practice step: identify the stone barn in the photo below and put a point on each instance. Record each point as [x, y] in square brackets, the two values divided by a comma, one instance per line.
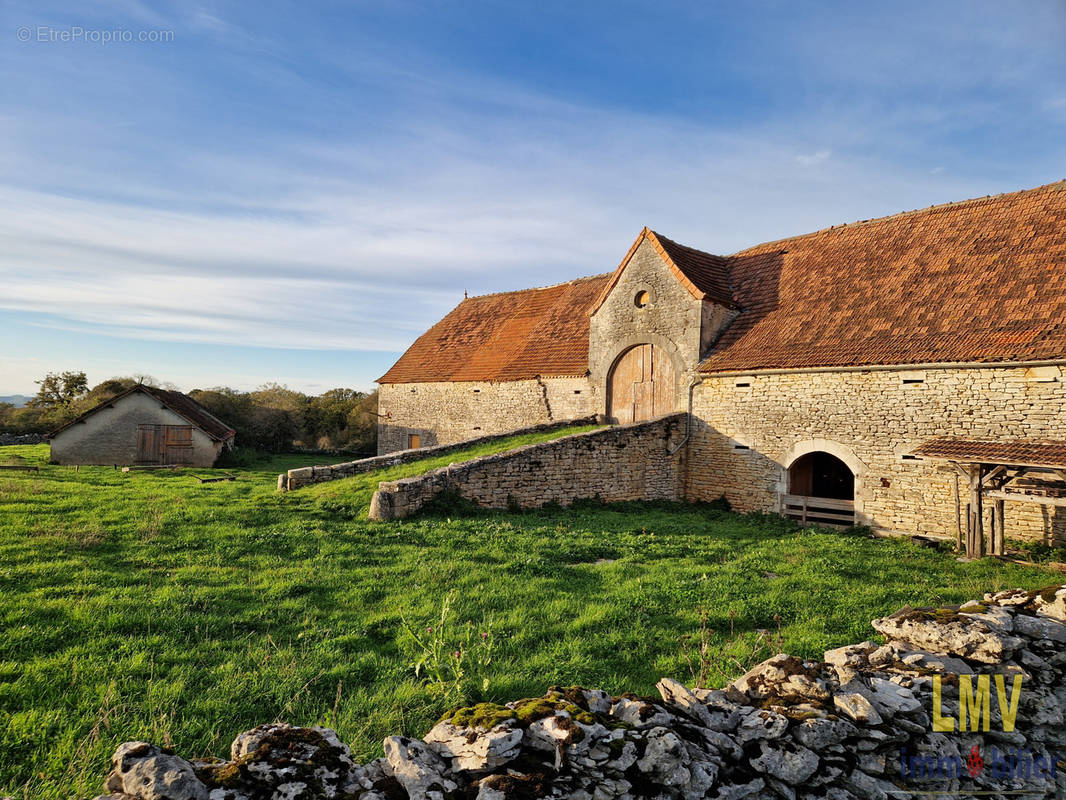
[907, 373]
[143, 426]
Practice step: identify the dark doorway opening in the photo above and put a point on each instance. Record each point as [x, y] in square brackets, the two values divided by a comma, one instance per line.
[821, 475]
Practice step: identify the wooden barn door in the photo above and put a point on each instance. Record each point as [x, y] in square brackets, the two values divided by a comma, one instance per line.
[641, 385]
[177, 444]
[149, 444]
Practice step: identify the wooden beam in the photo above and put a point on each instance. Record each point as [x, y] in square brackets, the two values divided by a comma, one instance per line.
[965, 473]
[993, 474]
[1015, 497]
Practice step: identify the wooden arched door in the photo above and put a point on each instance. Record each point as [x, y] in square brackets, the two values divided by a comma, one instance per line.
[641, 385]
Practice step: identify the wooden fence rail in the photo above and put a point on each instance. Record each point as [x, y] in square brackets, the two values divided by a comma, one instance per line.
[818, 510]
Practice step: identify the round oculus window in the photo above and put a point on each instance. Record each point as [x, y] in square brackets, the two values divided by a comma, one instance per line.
[642, 299]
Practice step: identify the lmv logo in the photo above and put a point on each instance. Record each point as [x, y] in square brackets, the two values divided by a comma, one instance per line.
[975, 704]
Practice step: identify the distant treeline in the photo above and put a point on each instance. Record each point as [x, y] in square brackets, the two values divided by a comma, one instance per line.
[273, 418]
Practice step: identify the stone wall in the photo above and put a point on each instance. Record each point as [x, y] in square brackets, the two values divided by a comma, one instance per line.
[305, 476]
[868, 721]
[448, 412]
[747, 435]
[626, 462]
[22, 438]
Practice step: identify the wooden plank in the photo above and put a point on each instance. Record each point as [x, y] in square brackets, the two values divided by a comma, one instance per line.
[142, 467]
[998, 522]
[1014, 497]
[627, 371]
[219, 479]
[20, 468]
[665, 395]
[821, 502]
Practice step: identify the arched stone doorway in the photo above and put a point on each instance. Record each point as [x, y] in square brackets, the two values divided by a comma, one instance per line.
[821, 474]
[641, 385]
[821, 484]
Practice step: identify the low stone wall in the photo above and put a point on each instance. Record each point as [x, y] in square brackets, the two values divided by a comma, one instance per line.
[305, 476]
[22, 438]
[626, 462]
[869, 721]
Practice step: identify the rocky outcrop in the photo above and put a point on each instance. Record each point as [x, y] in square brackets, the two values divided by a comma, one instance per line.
[858, 724]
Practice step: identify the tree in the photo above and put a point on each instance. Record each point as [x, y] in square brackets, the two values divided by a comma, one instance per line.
[60, 389]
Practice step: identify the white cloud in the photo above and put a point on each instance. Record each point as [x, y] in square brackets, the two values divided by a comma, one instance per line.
[812, 159]
[360, 239]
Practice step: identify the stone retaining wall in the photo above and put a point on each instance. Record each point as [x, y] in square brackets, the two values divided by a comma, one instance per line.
[626, 462]
[453, 411]
[305, 476]
[868, 721]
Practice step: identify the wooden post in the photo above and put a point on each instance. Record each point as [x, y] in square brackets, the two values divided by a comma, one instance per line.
[999, 545]
[975, 544]
[958, 515]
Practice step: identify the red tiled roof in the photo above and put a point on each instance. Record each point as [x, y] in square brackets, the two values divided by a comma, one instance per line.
[181, 404]
[708, 273]
[1022, 454]
[982, 280]
[505, 337]
[979, 281]
[703, 274]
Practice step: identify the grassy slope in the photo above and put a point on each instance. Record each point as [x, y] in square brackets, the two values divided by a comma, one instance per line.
[149, 606]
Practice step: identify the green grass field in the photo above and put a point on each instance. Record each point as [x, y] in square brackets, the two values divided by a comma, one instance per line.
[149, 606]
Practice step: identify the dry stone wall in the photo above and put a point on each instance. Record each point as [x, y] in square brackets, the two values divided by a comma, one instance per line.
[22, 438]
[305, 476]
[750, 427]
[626, 462]
[868, 721]
[448, 412]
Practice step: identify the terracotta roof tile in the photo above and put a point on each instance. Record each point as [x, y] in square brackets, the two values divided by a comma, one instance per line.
[708, 273]
[982, 280]
[506, 337]
[703, 274]
[1050, 454]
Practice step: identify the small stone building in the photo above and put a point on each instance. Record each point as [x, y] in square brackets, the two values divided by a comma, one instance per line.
[143, 426]
[896, 372]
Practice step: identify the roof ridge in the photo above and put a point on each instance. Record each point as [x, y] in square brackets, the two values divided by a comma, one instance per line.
[1055, 186]
[687, 246]
[539, 288]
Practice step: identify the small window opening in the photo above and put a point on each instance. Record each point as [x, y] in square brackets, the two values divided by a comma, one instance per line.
[577, 391]
[912, 381]
[741, 447]
[642, 299]
[477, 391]
[743, 385]
[909, 457]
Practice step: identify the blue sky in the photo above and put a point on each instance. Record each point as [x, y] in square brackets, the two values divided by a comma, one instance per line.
[293, 192]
